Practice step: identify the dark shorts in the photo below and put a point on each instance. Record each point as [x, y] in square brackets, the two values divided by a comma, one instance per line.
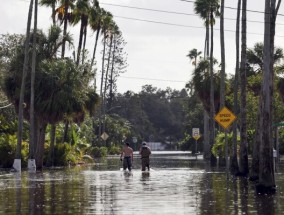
[145, 161]
[127, 163]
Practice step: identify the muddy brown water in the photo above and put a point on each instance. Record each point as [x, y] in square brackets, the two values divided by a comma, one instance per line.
[178, 184]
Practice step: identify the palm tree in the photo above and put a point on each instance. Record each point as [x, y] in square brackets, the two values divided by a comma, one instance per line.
[208, 9]
[96, 19]
[266, 170]
[234, 157]
[107, 23]
[222, 81]
[17, 161]
[255, 57]
[52, 4]
[201, 81]
[243, 116]
[31, 161]
[81, 13]
[64, 14]
[223, 59]
[193, 55]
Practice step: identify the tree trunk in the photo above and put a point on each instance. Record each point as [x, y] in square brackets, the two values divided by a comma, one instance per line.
[206, 146]
[206, 118]
[95, 48]
[52, 144]
[111, 77]
[254, 173]
[40, 144]
[101, 89]
[244, 145]
[21, 100]
[222, 159]
[84, 44]
[213, 160]
[234, 157]
[266, 169]
[223, 59]
[80, 43]
[31, 163]
[66, 6]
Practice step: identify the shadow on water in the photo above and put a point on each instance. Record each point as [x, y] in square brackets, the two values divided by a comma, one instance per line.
[178, 184]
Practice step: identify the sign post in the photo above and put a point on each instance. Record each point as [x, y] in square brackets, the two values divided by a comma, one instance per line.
[196, 136]
[225, 118]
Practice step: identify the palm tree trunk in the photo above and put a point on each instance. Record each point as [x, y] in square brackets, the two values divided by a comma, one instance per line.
[213, 160]
[222, 81]
[84, 44]
[206, 118]
[107, 71]
[101, 89]
[254, 173]
[94, 53]
[66, 6]
[40, 143]
[111, 77]
[17, 161]
[53, 13]
[223, 59]
[80, 43]
[31, 160]
[243, 146]
[266, 170]
[234, 157]
[52, 144]
[206, 146]
[95, 47]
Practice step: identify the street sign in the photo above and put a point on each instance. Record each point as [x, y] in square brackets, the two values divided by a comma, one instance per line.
[104, 136]
[195, 133]
[225, 117]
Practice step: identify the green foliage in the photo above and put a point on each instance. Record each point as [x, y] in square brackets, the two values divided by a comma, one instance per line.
[218, 148]
[65, 154]
[7, 126]
[114, 150]
[186, 143]
[8, 148]
[98, 152]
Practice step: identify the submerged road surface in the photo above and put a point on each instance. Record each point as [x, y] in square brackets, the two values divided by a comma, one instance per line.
[177, 185]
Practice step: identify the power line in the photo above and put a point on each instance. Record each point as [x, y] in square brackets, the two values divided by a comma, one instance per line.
[177, 13]
[234, 8]
[185, 26]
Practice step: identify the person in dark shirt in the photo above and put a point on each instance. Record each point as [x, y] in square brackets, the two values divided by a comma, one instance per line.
[145, 152]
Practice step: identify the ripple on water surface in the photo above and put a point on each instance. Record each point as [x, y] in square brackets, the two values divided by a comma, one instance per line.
[156, 192]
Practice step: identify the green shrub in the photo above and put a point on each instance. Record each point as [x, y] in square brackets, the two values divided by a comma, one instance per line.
[114, 150]
[98, 152]
[65, 154]
[8, 145]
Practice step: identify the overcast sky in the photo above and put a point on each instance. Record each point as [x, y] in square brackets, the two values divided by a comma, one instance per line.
[156, 52]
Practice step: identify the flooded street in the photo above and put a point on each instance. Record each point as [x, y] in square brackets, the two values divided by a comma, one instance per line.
[178, 184]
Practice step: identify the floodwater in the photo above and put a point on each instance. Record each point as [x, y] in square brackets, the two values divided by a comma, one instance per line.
[177, 184]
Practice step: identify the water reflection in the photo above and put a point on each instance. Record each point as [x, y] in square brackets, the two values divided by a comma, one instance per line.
[176, 186]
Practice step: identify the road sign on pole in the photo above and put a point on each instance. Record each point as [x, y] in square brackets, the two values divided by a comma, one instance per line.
[195, 133]
[225, 117]
[104, 136]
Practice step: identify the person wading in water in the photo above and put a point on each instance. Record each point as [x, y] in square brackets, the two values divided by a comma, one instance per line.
[127, 153]
[145, 152]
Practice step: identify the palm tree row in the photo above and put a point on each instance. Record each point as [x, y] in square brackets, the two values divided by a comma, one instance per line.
[262, 163]
[66, 12]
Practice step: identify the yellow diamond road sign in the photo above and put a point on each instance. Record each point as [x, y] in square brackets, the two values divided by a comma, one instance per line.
[104, 136]
[225, 117]
[195, 133]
